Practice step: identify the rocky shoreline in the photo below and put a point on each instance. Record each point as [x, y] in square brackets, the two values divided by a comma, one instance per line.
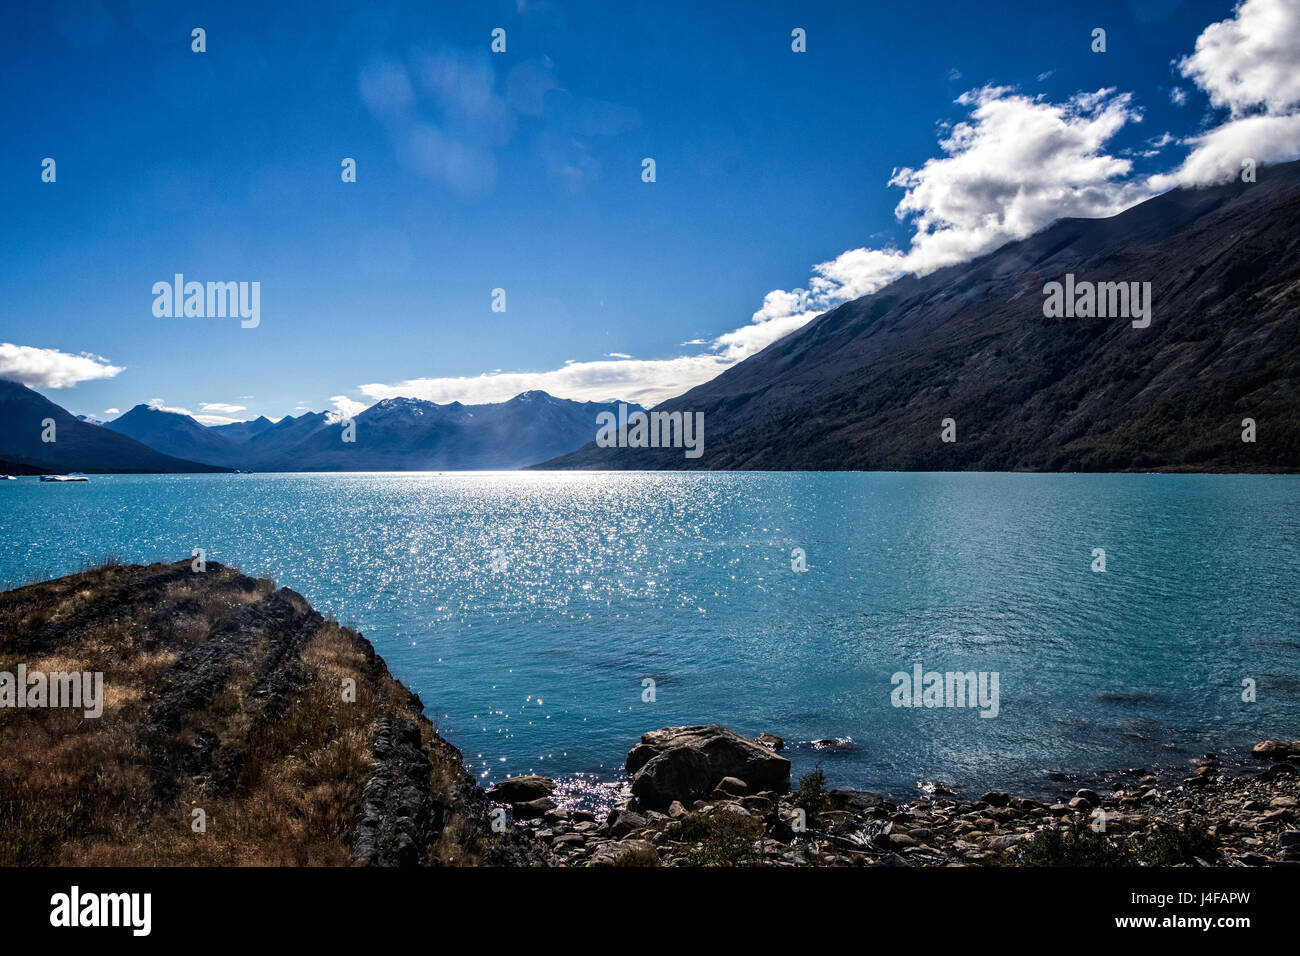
[691, 805]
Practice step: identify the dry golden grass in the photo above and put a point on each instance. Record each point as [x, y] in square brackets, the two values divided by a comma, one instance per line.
[91, 792]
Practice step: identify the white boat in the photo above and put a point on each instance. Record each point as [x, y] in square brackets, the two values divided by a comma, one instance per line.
[63, 478]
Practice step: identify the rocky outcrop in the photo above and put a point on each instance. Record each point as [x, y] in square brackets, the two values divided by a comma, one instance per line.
[240, 727]
[395, 822]
[1277, 749]
[686, 763]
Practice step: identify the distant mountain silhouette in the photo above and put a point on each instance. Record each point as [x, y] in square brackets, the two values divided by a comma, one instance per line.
[410, 434]
[78, 445]
[176, 434]
[867, 385]
[398, 434]
[242, 431]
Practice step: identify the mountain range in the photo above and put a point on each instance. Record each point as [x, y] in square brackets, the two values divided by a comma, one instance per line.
[397, 434]
[868, 385]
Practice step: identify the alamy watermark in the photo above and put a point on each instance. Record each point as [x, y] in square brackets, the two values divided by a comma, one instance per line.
[1100, 300]
[651, 430]
[80, 689]
[215, 300]
[75, 908]
[922, 688]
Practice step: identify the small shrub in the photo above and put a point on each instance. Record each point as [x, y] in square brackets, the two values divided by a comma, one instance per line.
[1075, 845]
[811, 797]
[724, 838]
[1169, 845]
[637, 856]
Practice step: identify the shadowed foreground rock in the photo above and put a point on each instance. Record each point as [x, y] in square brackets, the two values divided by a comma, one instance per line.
[239, 727]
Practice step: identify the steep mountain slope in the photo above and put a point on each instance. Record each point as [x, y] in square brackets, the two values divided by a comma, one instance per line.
[174, 433]
[78, 445]
[866, 385]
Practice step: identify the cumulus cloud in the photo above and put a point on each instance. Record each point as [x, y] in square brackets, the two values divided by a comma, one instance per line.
[162, 406]
[218, 413]
[1247, 65]
[345, 408]
[50, 368]
[1017, 164]
[111, 411]
[1218, 155]
[1249, 62]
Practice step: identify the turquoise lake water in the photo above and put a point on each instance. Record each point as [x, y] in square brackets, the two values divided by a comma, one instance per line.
[527, 609]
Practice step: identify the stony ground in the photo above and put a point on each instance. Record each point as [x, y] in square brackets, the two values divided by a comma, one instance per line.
[1212, 817]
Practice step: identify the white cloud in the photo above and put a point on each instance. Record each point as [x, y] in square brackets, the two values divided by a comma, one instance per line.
[218, 413]
[345, 408]
[1252, 60]
[1016, 165]
[618, 355]
[1249, 65]
[50, 368]
[1219, 153]
[1178, 96]
[162, 406]
[647, 381]
[111, 411]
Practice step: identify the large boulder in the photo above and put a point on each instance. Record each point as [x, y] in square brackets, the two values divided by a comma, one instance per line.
[1271, 749]
[681, 773]
[622, 822]
[725, 753]
[522, 789]
[532, 809]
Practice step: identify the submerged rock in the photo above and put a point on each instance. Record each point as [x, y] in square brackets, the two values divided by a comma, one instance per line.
[522, 789]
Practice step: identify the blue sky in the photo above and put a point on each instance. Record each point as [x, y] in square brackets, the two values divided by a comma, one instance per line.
[522, 171]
